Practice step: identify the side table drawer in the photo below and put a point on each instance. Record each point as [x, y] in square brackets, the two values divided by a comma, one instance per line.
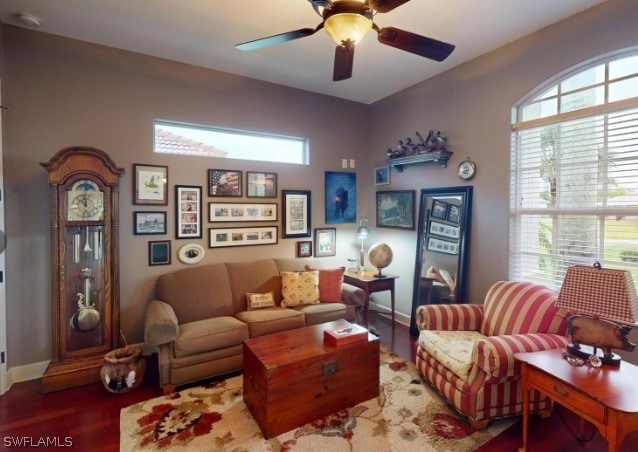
[381, 284]
[568, 396]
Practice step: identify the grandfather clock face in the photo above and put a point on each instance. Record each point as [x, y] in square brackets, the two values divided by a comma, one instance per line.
[85, 202]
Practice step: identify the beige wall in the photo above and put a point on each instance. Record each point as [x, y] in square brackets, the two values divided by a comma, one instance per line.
[63, 92]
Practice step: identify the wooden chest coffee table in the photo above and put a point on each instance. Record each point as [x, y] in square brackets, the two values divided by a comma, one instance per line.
[292, 378]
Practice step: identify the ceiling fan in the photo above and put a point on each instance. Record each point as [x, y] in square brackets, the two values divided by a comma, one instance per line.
[347, 21]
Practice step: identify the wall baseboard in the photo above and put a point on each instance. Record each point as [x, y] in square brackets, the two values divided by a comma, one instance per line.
[399, 317]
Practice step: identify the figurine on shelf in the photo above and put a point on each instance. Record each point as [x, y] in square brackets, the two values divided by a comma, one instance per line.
[435, 141]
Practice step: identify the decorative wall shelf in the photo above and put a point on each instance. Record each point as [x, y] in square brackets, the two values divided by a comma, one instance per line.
[440, 157]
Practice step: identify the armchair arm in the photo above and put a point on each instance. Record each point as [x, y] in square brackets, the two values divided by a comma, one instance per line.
[495, 354]
[353, 295]
[449, 317]
[160, 325]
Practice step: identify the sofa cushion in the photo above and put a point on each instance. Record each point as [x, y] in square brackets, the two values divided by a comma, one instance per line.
[271, 320]
[253, 277]
[209, 334]
[260, 300]
[330, 283]
[322, 312]
[299, 288]
[453, 349]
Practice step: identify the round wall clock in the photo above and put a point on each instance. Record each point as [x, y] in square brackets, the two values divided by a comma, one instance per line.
[467, 169]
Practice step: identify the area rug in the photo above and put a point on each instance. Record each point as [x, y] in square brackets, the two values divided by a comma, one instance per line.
[407, 415]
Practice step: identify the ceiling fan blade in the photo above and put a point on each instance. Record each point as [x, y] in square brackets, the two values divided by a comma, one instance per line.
[344, 57]
[383, 6]
[278, 39]
[413, 43]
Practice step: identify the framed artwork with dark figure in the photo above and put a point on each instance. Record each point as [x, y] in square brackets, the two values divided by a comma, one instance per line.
[341, 197]
[188, 212]
[296, 213]
[325, 242]
[224, 183]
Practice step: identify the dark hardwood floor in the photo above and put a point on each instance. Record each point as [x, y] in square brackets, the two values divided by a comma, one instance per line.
[89, 416]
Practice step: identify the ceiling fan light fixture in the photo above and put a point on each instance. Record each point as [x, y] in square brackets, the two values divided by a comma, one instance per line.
[347, 26]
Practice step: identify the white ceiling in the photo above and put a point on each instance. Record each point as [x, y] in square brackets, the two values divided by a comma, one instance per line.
[204, 32]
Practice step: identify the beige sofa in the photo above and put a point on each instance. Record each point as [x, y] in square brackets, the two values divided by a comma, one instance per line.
[199, 320]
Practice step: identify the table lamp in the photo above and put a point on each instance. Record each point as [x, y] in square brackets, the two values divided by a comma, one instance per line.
[604, 302]
[363, 231]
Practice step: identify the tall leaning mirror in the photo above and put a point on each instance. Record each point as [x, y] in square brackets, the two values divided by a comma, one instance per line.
[440, 274]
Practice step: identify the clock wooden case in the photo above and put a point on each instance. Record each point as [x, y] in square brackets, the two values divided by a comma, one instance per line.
[85, 316]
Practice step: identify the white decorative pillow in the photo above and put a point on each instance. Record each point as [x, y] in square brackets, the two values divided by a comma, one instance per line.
[260, 300]
[299, 288]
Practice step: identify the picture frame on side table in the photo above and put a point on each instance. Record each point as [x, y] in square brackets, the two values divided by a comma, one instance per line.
[395, 209]
[149, 223]
[188, 212]
[304, 248]
[150, 185]
[226, 212]
[261, 185]
[159, 252]
[222, 182]
[227, 237]
[296, 221]
[325, 242]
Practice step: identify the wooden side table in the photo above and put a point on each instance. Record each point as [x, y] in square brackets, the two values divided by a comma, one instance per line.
[607, 397]
[370, 284]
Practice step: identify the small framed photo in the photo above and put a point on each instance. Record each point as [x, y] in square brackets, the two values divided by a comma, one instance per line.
[148, 223]
[382, 175]
[241, 211]
[150, 183]
[454, 214]
[188, 212]
[159, 252]
[224, 183]
[191, 253]
[395, 209]
[439, 209]
[445, 230]
[304, 248]
[325, 242]
[258, 235]
[442, 246]
[261, 185]
[296, 213]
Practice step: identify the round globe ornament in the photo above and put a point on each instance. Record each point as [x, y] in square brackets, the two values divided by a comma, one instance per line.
[380, 255]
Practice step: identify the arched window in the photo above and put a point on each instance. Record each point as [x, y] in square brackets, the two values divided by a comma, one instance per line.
[574, 172]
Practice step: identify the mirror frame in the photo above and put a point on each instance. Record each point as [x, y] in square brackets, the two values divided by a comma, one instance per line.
[464, 242]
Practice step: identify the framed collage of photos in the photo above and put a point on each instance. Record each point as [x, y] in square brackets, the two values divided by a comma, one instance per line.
[296, 213]
[188, 212]
[226, 212]
[226, 237]
[442, 246]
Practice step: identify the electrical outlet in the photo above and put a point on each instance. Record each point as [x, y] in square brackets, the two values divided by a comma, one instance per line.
[344, 163]
[351, 163]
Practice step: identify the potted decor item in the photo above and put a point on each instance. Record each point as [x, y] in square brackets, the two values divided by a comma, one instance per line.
[123, 368]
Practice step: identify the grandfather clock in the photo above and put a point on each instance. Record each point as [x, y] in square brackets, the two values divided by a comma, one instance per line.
[85, 317]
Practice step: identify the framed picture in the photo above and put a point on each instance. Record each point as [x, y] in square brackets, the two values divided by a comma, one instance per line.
[382, 175]
[454, 214]
[191, 253]
[224, 183]
[240, 211]
[304, 248]
[439, 209]
[261, 185]
[258, 235]
[341, 197]
[150, 183]
[149, 223]
[395, 209]
[325, 242]
[296, 213]
[445, 230]
[442, 246]
[188, 212]
[159, 252]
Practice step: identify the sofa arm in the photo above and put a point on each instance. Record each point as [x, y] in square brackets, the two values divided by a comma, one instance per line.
[449, 317]
[495, 354]
[160, 326]
[353, 295]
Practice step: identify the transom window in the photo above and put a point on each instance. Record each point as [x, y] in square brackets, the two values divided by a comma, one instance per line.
[574, 173]
[187, 139]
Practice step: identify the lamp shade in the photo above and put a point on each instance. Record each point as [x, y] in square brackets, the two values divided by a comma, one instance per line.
[347, 26]
[599, 292]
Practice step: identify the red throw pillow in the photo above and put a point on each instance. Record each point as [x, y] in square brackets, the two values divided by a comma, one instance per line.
[330, 281]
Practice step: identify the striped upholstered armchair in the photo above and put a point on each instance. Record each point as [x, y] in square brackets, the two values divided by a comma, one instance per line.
[466, 351]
